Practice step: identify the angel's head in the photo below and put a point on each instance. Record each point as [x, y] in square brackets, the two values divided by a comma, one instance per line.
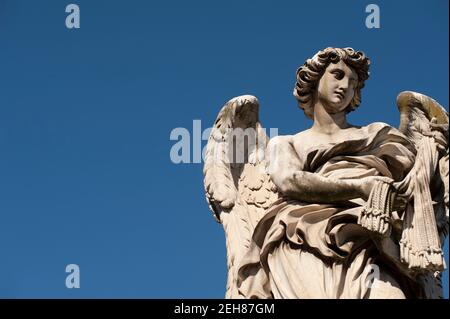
[325, 72]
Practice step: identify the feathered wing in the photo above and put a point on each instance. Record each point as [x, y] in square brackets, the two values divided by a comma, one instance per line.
[425, 226]
[238, 189]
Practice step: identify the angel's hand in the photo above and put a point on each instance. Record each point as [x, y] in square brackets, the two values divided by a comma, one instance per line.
[366, 184]
[400, 202]
[402, 194]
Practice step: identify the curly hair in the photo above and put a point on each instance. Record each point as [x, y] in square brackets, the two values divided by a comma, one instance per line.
[309, 74]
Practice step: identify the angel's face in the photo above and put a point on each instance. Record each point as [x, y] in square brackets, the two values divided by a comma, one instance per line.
[337, 87]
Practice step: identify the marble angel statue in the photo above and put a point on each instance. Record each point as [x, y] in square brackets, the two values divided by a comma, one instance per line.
[337, 210]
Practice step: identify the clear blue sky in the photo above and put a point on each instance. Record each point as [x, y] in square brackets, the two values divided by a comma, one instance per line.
[85, 119]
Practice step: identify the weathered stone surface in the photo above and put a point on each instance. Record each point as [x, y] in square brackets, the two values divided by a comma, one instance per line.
[338, 210]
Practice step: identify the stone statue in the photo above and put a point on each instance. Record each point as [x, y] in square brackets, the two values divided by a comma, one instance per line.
[338, 210]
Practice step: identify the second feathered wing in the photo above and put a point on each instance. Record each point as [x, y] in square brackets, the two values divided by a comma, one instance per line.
[425, 223]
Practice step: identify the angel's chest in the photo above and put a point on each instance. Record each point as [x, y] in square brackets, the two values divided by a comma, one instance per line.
[306, 144]
[320, 149]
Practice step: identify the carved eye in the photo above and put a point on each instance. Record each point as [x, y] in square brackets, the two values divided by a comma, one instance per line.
[338, 74]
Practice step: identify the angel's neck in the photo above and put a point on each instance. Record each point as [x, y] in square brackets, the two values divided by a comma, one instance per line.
[327, 123]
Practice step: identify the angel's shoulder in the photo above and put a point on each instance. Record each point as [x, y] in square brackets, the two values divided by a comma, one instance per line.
[304, 140]
[301, 135]
[280, 140]
[281, 144]
[290, 145]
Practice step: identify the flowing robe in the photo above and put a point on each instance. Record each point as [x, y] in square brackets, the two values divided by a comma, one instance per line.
[312, 250]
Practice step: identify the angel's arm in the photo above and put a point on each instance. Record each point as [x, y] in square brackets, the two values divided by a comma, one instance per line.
[286, 172]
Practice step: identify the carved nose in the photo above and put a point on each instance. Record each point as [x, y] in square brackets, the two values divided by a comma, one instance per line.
[342, 90]
[343, 85]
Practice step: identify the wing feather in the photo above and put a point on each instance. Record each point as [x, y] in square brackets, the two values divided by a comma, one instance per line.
[238, 189]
